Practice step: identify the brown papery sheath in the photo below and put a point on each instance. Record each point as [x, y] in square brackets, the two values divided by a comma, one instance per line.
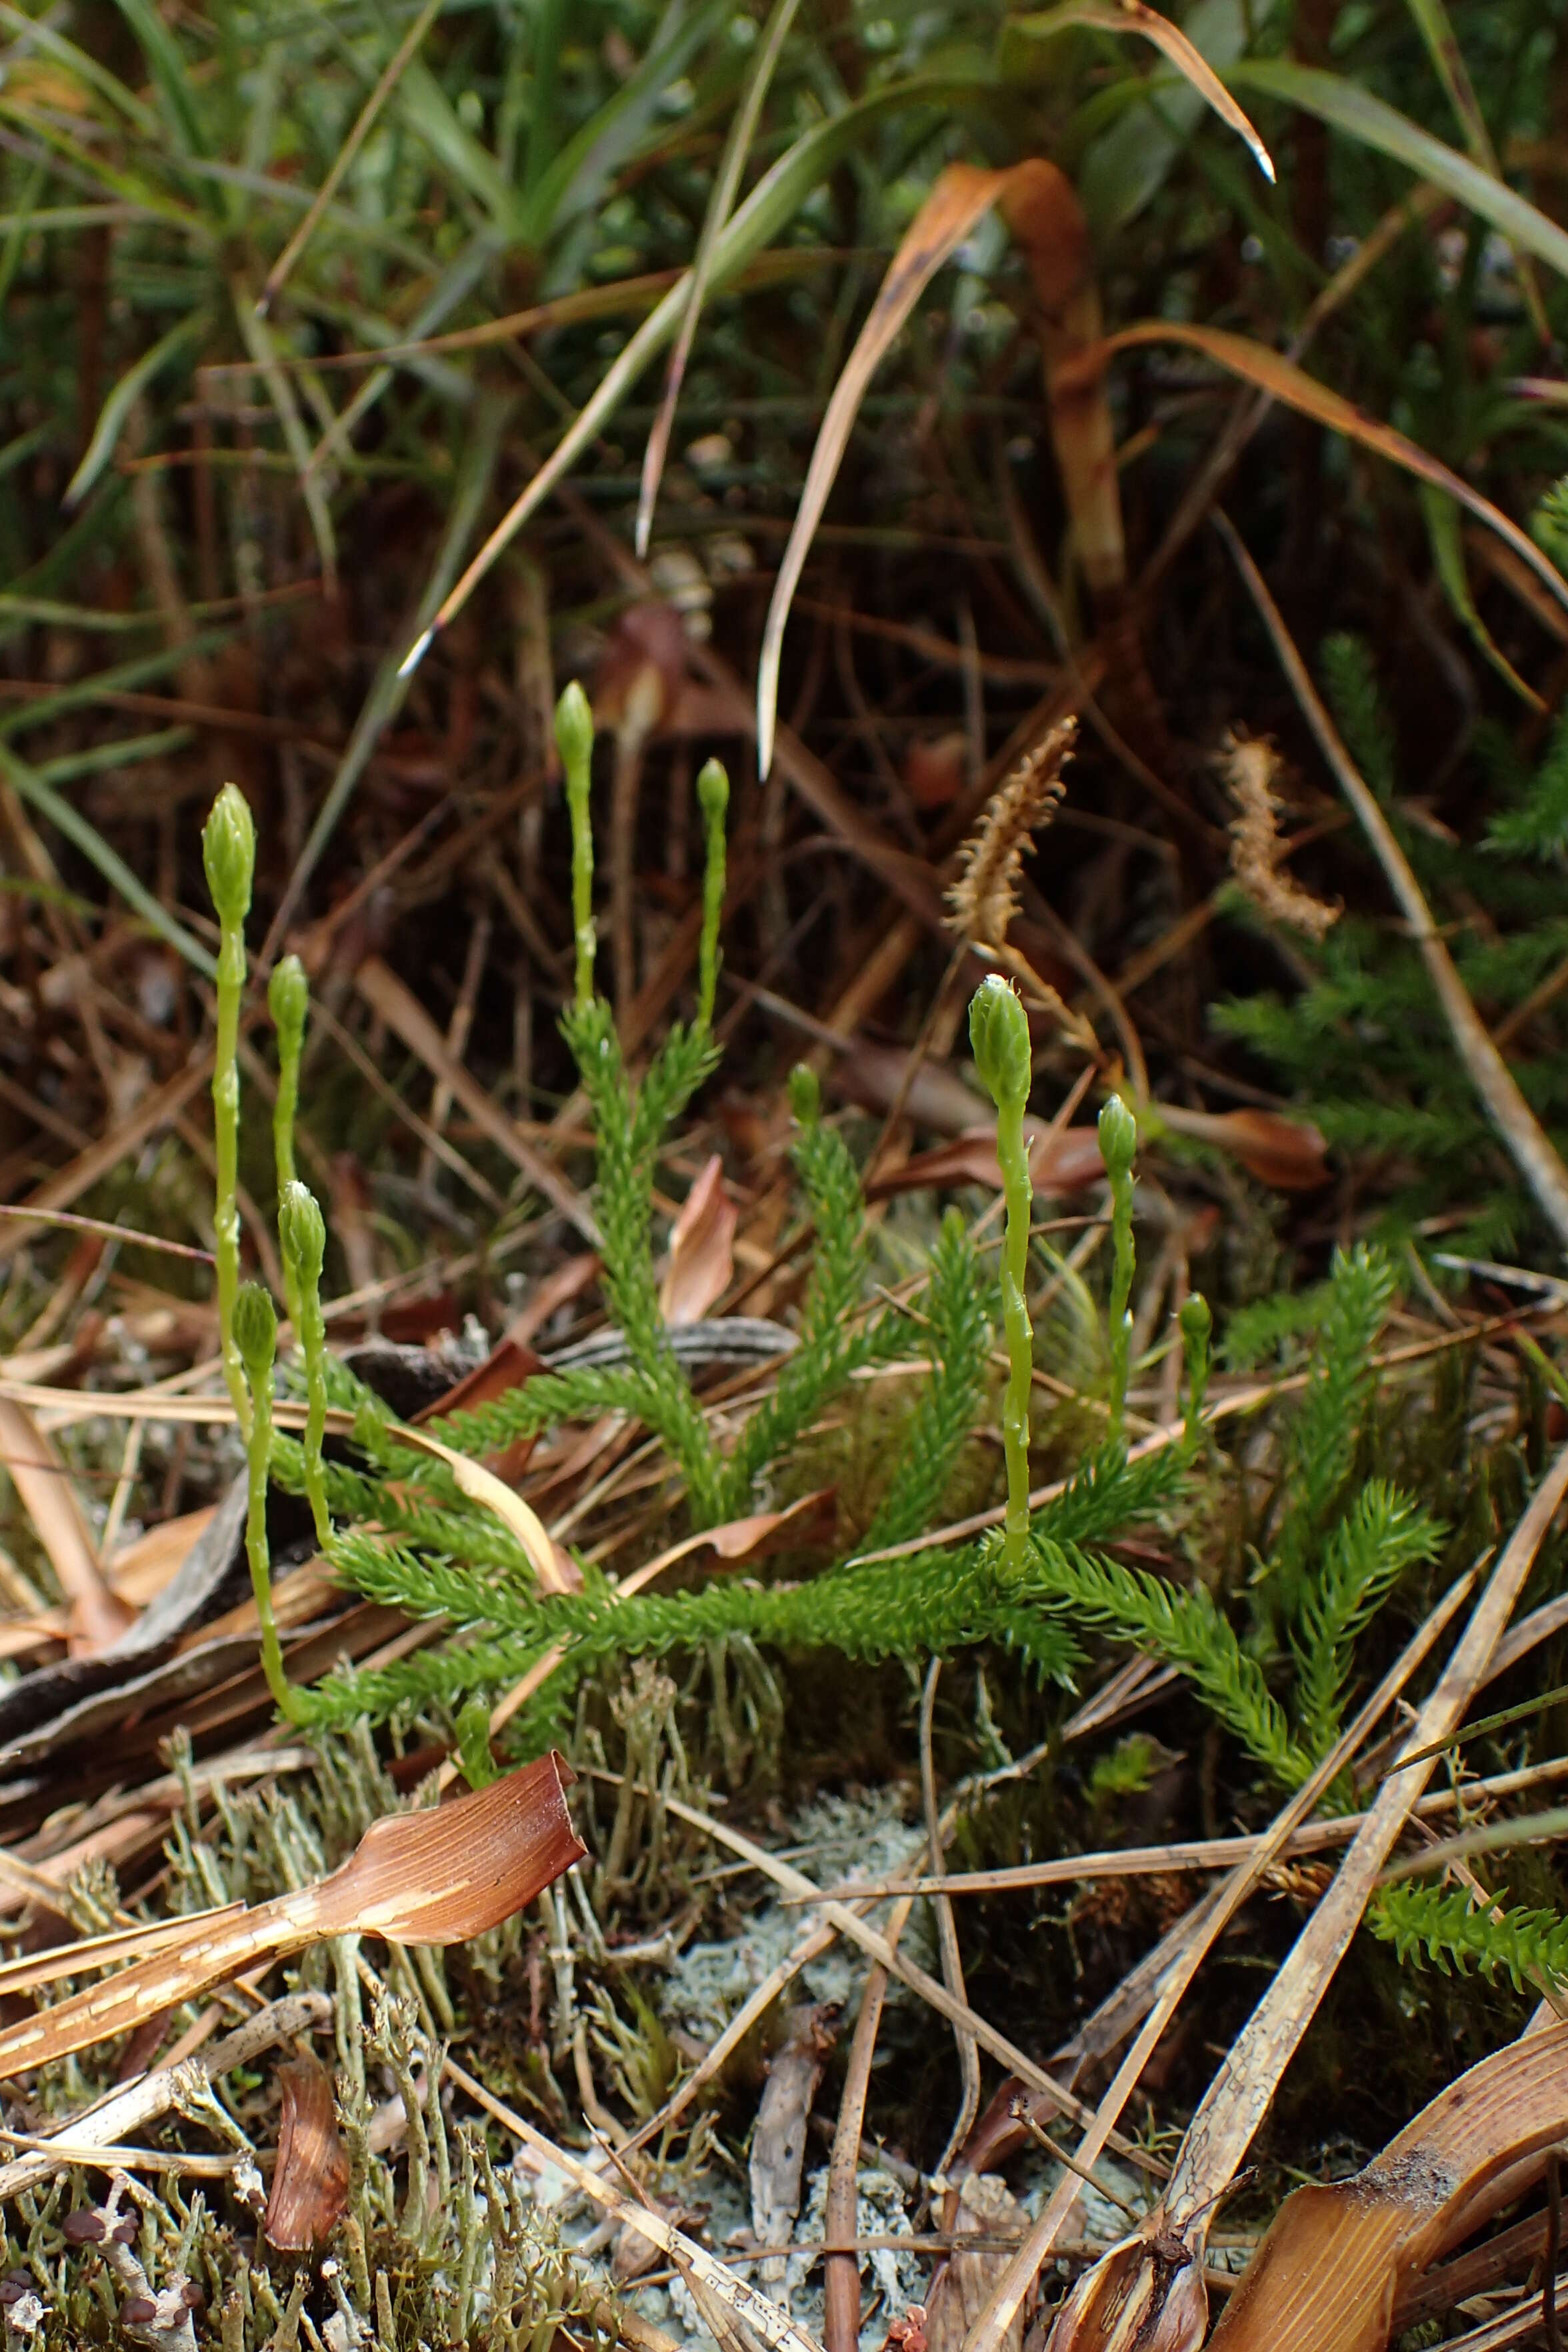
[440, 1876]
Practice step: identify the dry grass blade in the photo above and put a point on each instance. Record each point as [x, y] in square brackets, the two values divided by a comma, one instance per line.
[439, 1876]
[1126, 2283]
[962, 194]
[140, 2103]
[1221, 2130]
[101, 1226]
[1279, 376]
[1132, 17]
[406, 1017]
[1328, 2274]
[1490, 1075]
[1197, 1853]
[384, 86]
[721, 202]
[83, 1953]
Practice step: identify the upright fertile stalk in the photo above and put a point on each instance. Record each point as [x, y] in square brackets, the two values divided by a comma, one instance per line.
[288, 999]
[575, 740]
[1118, 1146]
[713, 792]
[999, 1037]
[255, 1341]
[228, 856]
[302, 1235]
[1196, 1324]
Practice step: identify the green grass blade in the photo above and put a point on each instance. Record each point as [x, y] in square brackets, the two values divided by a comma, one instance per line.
[45, 41]
[170, 74]
[481, 453]
[776, 196]
[1344, 106]
[111, 417]
[49, 806]
[721, 203]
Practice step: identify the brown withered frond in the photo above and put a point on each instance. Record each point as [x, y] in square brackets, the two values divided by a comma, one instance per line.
[1257, 853]
[984, 898]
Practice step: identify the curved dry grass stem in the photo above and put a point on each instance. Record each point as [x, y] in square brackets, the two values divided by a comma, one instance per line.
[1494, 1082]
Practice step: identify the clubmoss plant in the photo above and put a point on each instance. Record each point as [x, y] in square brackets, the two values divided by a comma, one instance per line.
[1278, 1680]
[228, 856]
[999, 1037]
[1119, 1149]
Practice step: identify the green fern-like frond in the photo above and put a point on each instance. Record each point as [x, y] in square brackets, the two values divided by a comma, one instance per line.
[1357, 703]
[1549, 523]
[1537, 826]
[1382, 1535]
[629, 1126]
[833, 1341]
[1324, 1435]
[1450, 1932]
[932, 1603]
[1183, 1627]
[959, 1337]
[1108, 1493]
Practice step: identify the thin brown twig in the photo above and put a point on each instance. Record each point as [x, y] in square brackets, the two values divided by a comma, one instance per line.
[946, 1930]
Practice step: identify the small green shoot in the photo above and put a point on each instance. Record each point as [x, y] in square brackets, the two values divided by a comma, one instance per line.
[575, 741]
[302, 1233]
[228, 856]
[1118, 1148]
[999, 1037]
[1196, 1326]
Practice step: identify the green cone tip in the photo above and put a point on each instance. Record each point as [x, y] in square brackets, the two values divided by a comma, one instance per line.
[255, 1330]
[228, 853]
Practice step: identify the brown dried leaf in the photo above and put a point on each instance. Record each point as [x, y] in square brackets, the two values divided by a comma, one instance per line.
[311, 2184]
[702, 1249]
[986, 2208]
[778, 2143]
[1337, 2257]
[1061, 1159]
[442, 1875]
[1290, 1154]
[764, 1531]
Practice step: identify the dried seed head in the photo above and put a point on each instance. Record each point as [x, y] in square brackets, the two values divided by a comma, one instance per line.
[984, 898]
[1250, 765]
